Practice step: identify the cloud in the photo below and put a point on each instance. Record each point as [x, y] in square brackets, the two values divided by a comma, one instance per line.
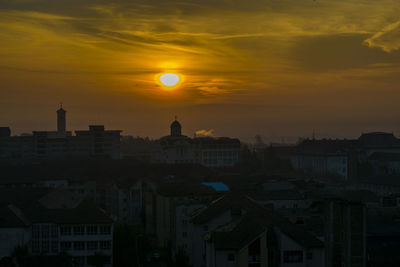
[388, 39]
[205, 132]
[339, 52]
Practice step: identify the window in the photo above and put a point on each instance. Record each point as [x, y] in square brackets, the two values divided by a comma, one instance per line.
[79, 245]
[231, 257]
[53, 231]
[45, 246]
[54, 246]
[309, 255]
[65, 230]
[91, 230]
[35, 231]
[65, 246]
[105, 229]
[45, 231]
[105, 244]
[79, 230]
[92, 245]
[36, 246]
[184, 234]
[292, 256]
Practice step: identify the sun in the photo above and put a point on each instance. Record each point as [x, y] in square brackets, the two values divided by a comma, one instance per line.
[169, 81]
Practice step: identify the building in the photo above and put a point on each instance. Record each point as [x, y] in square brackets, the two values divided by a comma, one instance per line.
[122, 200]
[61, 144]
[326, 164]
[325, 157]
[61, 120]
[51, 221]
[97, 143]
[233, 230]
[167, 208]
[385, 163]
[345, 229]
[207, 151]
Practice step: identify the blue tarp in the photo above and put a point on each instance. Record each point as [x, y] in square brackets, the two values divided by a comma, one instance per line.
[218, 186]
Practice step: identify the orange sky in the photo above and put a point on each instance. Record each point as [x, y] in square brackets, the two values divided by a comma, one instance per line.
[279, 68]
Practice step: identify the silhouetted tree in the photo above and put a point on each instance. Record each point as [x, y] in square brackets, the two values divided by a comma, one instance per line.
[98, 260]
[131, 245]
[182, 259]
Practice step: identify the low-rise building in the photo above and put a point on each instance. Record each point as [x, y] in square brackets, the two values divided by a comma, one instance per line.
[233, 230]
[52, 221]
[207, 151]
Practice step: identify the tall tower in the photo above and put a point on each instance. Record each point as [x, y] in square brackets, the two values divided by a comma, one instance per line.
[61, 120]
[176, 128]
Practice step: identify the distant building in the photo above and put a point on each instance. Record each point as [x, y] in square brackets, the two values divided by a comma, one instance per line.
[322, 164]
[385, 163]
[325, 157]
[61, 120]
[100, 143]
[207, 151]
[61, 144]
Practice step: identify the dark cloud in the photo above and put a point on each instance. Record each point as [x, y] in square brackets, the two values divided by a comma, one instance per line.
[338, 52]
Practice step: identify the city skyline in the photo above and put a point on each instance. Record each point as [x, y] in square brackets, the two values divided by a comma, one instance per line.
[61, 122]
[274, 68]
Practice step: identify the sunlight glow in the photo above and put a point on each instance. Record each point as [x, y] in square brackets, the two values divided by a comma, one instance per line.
[169, 79]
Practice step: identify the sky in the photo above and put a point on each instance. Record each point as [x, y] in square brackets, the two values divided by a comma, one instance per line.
[278, 68]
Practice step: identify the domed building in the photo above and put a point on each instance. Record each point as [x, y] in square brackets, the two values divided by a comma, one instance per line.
[176, 128]
[207, 151]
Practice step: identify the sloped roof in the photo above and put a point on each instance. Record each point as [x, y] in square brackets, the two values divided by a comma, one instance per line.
[361, 196]
[381, 180]
[60, 199]
[325, 145]
[277, 195]
[385, 156]
[39, 205]
[238, 234]
[265, 216]
[180, 189]
[8, 218]
[378, 139]
[85, 213]
[221, 205]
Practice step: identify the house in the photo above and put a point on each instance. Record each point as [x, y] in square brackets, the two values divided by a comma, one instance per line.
[238, 217]
[51, 221]
[122, 199]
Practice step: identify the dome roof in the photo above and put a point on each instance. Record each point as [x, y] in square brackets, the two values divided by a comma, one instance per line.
[176, 128]
[175, 123]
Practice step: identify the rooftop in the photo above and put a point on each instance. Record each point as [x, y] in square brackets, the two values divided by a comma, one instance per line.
[265, 217]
